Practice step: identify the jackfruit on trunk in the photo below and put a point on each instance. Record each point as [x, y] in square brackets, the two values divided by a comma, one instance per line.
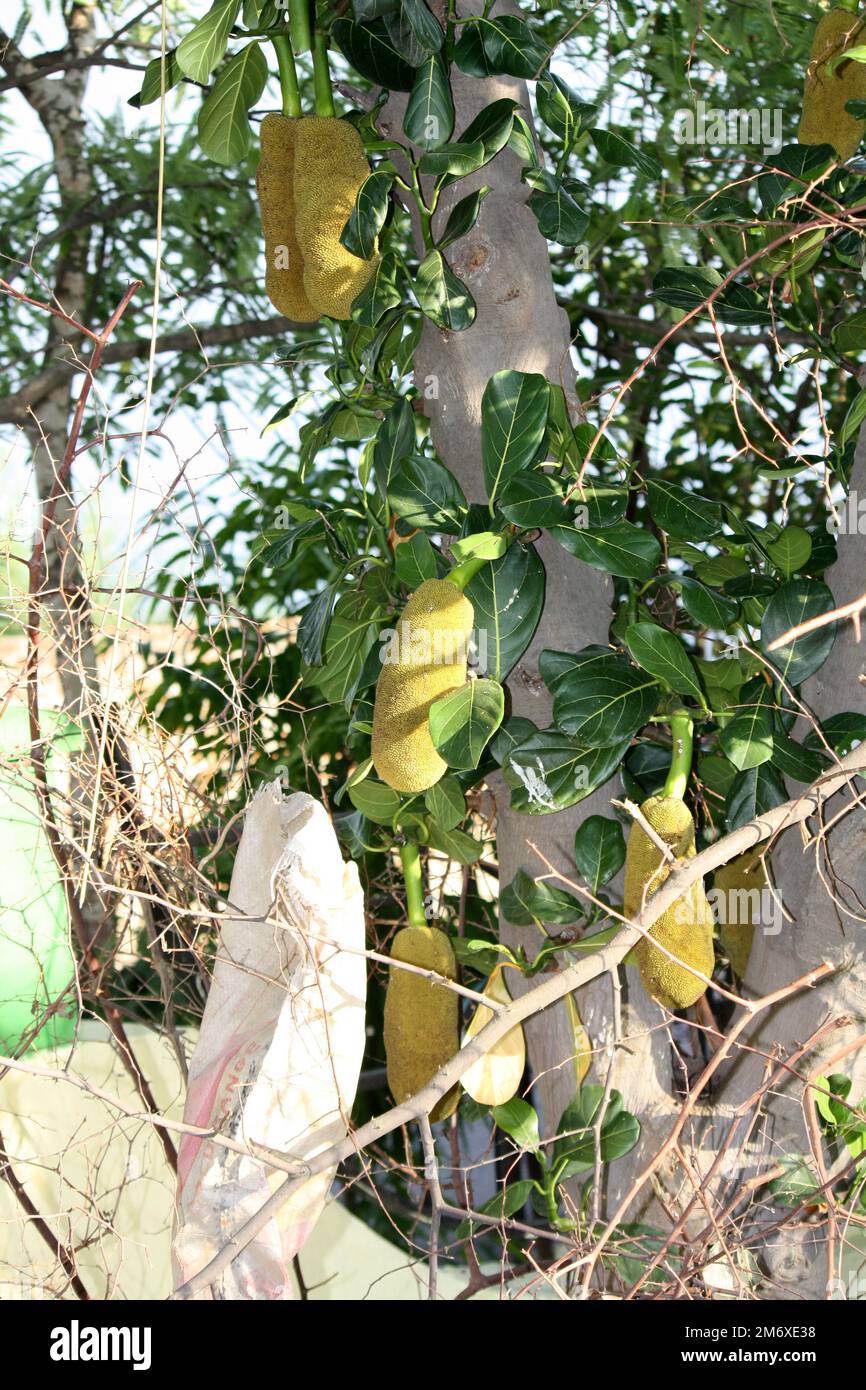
[495, 1078]
[284, 267]
[422, 1017]
[330, 166]
[738, 888]
[686, 928]
[428, 661]
[825, 120]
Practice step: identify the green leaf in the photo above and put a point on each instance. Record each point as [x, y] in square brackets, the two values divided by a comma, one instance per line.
[380, 294]
[151, 85]
[512, 46]
[445, 802]
[314, 624]
[549, 771]
[622, 549]
[529, 500]
[682, 513]
[826, 1089]
[371, 51]
[796, 602]
[415, 561]
[223, 123]
[462, 723]
[507, 596]
[662, 654]
[753, 792]
[560, 109]
[367, 217]
[469, 52]
[599, 850]
[491, 128]
[854, 418]
[575, 1144]
[425, 494]
[374, 800]
[599, 504]
[351, 636]
[395, 443]
[444, 299]
[842, 731]
[483, 545]
[512, 732]
[623, 154]
[718, 570]
[708, 609]
[462, 217]
[524, 903]
[457, 159]
[203, 48]
[849, 335]
[792, 550]
[504, 1204]
[462, 848]
[604, 702]
[513, 425]
[428, 32]
[518, 1119]
[553, 203]
[747, 741]
[689, 287]
[793, 760]
[429, 117]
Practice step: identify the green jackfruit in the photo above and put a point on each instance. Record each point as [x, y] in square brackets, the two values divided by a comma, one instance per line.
[737, 899]
[330, 166]
[284, 268]
[686, 928]
[825, 120]
[427, 660]
[422, 1018]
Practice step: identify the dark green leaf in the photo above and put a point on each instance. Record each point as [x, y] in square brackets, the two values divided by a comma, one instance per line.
[425, 494]
[429, 118]
[462, 848]
[415, 561]
[374, 800]
[709, 609]
[793, 760]
[524, 903]
[223, 123]
[753, 792]
[203, 47]
[444, 299]
[842, 731]
[512, 46]
[662, 654]
[560, 109]
[395, 443]
[371, 51]
[621, 549]
[462, 217]
[152, 82]
[456, 159]
[507, 596]
[747, 741]
[462, 723]
[367, 217]
[446, 803]
[491, 127]
[796, 602]
[599, 850]
[379, 295]
[550, 771]
[604, 702]
[622, 153]
[531, 499]
[314, 624]
[513, 425]
[518, 1119]
[682, 513]
[555, 207]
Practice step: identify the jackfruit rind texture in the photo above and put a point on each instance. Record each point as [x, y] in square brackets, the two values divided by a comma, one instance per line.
[284, 268]
[422, 1018]
[495, 1078]
[672, 821]
[737, 915]
[824, 119]
[428, 660]
[330, 166]
[686, 930]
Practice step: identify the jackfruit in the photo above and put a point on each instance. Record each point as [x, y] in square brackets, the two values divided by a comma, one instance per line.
[284, 268]
[738, 888]
[582, 1044]
[495, 1078]
[428, 660]
[330, 166]
[825, 120]
[422, 1018]
[686, 928]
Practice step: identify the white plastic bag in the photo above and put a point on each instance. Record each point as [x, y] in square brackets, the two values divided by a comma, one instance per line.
[281, 1043]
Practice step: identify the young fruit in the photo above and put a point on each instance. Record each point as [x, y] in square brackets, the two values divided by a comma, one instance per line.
[428, 660]
[330, 166]
[284, 267]
[825, 120]
[738, 888]
[422, 1017]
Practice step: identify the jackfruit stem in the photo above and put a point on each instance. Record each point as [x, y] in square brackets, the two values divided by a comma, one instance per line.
[299, 18]
[288, 76]
[410, 860]
[322, 76]
[682, 736]
[462, 574]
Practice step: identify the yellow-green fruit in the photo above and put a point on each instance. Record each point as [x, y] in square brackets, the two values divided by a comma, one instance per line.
[738, 887]
[582, 1045]
[672, 821]
[330, 166]
[825, 120]
[426, 659]
[284, 267]
[494, 1079]
[686, 930]
[422, 1018]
